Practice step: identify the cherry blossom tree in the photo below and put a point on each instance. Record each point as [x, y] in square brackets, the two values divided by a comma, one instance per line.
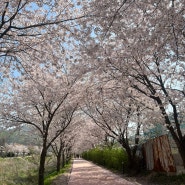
[16, 149]
[143, 43]
[43, 101]
[26, 23]
[118, 113]
[38, 67]
[87, 135]
[31, 28]
[87, 140]
[62, 146]
[136, 47]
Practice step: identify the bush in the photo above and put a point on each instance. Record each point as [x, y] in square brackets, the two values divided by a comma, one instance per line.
[113, 158]
[10, 154]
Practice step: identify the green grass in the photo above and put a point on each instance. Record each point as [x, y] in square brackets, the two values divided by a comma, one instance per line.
[52, 176]
[17, 171]
[23, 170]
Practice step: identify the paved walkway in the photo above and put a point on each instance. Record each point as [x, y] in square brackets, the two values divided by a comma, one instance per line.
[87, 173]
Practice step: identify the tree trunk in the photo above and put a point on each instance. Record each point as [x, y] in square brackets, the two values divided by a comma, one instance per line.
[58, 162]
[131, 161]
[42, 166]
[63, 159]
[131, 157]
[181, 148]
[182, 153]
[59, 154]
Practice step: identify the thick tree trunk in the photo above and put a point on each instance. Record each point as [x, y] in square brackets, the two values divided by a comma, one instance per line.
[182, 153]
[181, 148]
[131, 161]
[42, 166]
[131, 157]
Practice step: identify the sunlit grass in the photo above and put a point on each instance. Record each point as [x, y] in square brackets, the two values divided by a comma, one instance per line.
[17, 170]
[23, 170]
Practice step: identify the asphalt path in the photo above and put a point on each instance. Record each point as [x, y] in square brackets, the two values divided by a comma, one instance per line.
[87, 173]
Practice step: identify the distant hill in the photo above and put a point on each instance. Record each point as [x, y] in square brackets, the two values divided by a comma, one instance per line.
[24, 136]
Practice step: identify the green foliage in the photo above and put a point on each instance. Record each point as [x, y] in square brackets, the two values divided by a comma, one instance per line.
[112, 158]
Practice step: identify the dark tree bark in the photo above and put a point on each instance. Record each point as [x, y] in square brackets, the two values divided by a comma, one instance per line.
[42, 165]
[63, 159]
[58, 162]
[59, 154]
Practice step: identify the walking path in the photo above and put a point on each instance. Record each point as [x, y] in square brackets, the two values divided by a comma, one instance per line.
[87, 173]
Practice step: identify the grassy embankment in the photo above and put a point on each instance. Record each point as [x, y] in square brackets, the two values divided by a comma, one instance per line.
[24, 170]
[52, 176]
[18, 170]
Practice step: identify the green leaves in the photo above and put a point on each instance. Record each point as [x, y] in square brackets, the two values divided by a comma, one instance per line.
[110, 158]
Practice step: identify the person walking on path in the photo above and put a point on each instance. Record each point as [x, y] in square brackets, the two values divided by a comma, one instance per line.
[87, 173]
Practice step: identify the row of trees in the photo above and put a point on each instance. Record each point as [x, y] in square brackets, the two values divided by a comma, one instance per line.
[39, 85]
[119, 62]
[136, 53]
[45, 104]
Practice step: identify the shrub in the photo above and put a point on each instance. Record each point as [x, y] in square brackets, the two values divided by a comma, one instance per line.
[113, 158]
[10, 154]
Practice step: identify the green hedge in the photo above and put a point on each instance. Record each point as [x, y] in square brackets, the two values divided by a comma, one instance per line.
[111, 158]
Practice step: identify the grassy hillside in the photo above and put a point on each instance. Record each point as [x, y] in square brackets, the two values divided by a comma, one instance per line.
[22, 136]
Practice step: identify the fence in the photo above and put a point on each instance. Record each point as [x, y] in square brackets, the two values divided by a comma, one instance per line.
[158, 155]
